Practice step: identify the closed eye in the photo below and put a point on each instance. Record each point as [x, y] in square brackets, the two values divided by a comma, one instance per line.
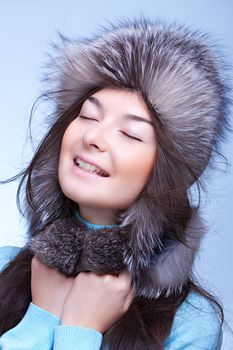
[131, 137]
[87, 118]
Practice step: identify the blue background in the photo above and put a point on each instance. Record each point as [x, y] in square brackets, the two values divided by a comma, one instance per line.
[26, 28]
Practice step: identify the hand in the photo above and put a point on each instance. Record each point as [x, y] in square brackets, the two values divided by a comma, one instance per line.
[97, 301]
[49, 288]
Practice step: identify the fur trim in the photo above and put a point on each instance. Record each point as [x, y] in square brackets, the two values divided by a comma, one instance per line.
[174, 264]
[70, 247]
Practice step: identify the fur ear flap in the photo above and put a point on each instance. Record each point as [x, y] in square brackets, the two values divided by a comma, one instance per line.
[144, 232]
[173, 266]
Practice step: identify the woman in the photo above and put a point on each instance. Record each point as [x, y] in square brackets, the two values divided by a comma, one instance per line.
[113, 229]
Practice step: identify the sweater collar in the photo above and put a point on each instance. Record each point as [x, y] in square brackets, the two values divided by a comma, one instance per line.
[90, 225]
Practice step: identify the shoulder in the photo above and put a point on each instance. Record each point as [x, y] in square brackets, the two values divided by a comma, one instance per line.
[197, 324]
[7, 253]
[197, 306]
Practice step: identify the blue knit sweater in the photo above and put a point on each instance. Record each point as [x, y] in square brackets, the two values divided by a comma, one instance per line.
[196, 325]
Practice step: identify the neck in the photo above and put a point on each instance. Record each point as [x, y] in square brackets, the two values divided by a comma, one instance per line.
[98, 216]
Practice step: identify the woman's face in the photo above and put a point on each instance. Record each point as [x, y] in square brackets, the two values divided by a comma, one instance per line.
[107, 152]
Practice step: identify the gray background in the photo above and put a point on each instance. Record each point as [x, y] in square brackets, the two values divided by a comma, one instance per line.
[26, 27]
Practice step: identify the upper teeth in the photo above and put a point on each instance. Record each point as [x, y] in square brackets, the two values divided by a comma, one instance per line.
[88, 166]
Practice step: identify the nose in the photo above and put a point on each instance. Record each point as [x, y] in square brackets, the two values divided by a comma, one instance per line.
[97, 137]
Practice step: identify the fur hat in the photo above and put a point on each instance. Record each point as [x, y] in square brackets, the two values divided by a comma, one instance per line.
[179, 72]
[181, 77]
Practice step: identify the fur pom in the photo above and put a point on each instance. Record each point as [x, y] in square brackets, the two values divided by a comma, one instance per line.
[173, 266]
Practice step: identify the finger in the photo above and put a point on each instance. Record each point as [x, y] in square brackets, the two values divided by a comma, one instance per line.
[34, 258]
[35, 261]
[126, 278]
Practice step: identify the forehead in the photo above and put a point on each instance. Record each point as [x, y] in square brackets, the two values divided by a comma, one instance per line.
[122, 101]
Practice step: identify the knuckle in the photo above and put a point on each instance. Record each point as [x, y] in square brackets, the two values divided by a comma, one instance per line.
[82, 275]
[108, 280]
[34, 262]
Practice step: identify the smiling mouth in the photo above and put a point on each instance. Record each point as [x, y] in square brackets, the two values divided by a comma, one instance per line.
[90, 168]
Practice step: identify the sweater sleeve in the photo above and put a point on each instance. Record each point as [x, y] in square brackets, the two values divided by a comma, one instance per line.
[71, 338]
[7, 254]
[196, 326]
[36, 329]
[40, 330]
[34, 332]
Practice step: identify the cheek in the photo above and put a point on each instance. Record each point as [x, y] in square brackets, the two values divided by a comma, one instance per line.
[134, 169]
[65, 153]
[136, 172]
[70, 140]
[68, 137]
[139, 162]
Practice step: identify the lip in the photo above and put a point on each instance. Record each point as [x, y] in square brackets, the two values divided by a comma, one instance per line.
[87, 160]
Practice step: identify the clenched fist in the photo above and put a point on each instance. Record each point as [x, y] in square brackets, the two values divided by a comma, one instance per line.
[97, 301]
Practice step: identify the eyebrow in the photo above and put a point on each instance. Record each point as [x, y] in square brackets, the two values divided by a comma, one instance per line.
[134, 117]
